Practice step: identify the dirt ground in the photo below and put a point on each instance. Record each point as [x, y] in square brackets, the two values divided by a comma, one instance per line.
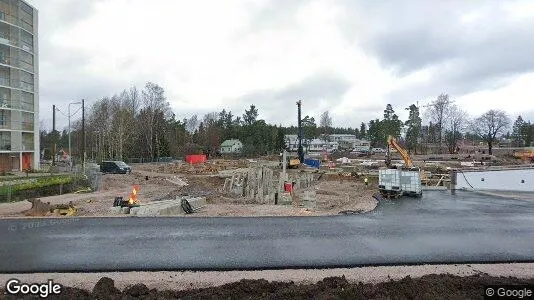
[434, 286]
[334, 193]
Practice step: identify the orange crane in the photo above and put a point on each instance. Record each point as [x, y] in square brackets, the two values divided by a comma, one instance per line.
[395, 182]
[392, 142]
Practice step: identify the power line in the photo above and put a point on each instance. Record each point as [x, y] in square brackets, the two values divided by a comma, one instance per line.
[62, 112]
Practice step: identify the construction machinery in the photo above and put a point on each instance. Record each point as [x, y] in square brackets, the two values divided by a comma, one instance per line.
[396, 181]
[292, 161]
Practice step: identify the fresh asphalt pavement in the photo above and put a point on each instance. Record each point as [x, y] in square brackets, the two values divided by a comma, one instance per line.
[437, 228]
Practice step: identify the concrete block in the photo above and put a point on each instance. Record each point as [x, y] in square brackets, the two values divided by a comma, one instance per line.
[285, 199]
[197, 202]
[116, 210]
[168, 207]
[308, 199]
[134, 211]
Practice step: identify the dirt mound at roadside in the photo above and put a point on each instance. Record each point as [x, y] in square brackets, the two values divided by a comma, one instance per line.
[427, 287]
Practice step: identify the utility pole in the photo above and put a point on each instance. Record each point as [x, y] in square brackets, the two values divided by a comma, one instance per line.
[69, 115]
[83, 136]
[300, 150]
[54, 151]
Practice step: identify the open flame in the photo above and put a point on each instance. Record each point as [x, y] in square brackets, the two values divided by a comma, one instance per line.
[133, 195]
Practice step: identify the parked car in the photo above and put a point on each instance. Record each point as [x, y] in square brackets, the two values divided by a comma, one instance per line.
[379, 150]
[115, 167]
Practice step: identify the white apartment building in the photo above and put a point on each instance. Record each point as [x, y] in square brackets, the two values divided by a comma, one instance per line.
[19, 86]
[318, 145]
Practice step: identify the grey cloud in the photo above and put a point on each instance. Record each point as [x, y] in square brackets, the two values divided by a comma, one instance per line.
[61, 13]
[526, 116]
[408, 36]
[276, 14]
[280, 104]
[413, 35]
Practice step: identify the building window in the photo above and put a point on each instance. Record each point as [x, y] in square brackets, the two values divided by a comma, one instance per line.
[4, 98]
[4, 118]
[26, 61]
[26, 81]
[26, 41]
[5, 141]
[27, 141]
[27, 101]
[26, 17]
[27, 121]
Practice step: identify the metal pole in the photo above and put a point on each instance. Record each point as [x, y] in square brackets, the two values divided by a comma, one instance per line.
[68, 115]
[284, 162]
[300, 150]
[54, 135]
[83, 135]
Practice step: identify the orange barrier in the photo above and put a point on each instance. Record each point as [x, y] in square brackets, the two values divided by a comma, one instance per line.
[196, 158]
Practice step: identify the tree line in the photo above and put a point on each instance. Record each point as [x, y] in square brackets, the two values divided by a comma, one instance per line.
[139, 123]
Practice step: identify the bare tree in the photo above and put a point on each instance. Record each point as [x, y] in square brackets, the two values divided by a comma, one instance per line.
[455, 127]
[191, 124]
[326, 125]
[155, 104]
[133, 100]
[438, 112]
[490, 126]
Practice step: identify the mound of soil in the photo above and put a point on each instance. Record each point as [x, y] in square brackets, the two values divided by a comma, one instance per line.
[426, 287]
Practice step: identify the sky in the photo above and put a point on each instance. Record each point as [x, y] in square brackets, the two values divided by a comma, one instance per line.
[349, 57]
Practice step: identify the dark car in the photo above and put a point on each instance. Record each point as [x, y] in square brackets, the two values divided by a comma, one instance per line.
[115, 167]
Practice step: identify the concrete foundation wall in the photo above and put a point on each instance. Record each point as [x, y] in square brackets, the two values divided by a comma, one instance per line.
[502, 180]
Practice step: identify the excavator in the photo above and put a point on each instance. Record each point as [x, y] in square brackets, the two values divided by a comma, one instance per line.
[392, 142]
[394, 182]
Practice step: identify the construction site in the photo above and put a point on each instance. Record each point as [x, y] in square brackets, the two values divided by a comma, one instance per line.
[261, 187]
[289, 184]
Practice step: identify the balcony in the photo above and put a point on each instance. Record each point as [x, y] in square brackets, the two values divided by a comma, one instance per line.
[8, 18]
[24, 22]
[8, 104]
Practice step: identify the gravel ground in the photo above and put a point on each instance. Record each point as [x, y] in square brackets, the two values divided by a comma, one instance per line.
[194, 280]
[333, 194]
[98, 203]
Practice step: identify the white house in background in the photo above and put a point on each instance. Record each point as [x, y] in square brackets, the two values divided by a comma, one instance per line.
[232, 146]
[342, 137]
[338, 142]
[355, 145]
[315, 145]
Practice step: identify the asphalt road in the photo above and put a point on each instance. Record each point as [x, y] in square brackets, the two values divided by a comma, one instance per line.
[438, 228]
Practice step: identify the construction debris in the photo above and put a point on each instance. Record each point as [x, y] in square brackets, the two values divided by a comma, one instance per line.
[261, 184]
[38, 208]
[204, 168]
[178, 206]
[65, 209]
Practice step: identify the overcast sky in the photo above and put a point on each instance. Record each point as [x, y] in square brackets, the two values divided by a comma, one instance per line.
[349, 57]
